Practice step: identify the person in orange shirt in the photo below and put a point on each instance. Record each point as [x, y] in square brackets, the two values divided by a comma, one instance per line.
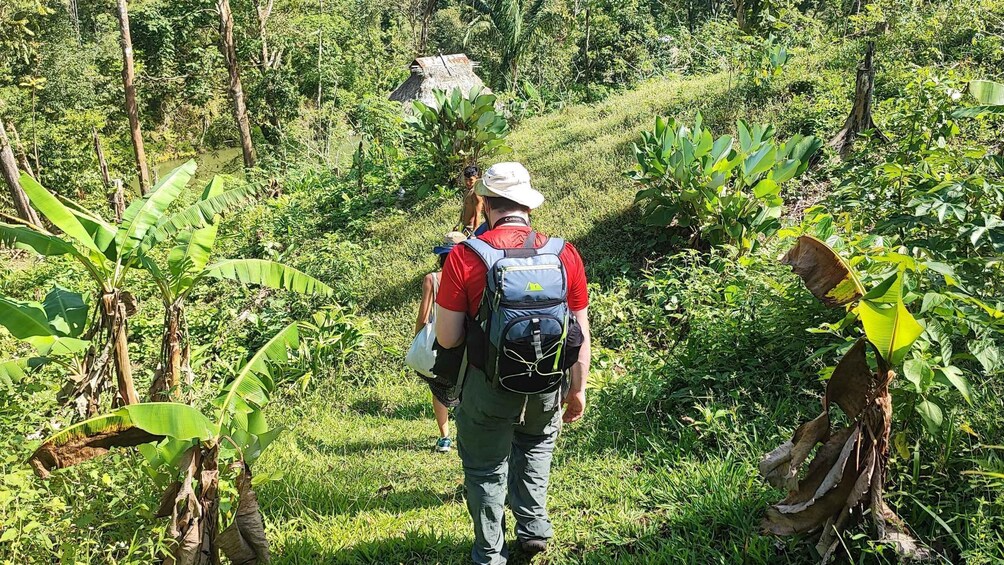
[473, 207]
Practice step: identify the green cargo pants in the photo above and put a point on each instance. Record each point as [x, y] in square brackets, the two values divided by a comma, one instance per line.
[500, 454]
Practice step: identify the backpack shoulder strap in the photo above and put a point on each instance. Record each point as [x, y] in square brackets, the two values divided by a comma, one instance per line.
[488, 254]
[553, 246]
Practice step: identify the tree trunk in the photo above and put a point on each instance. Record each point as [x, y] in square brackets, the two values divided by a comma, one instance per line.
[236, 91]
[102, 164]
[173, 369]
[860, 118]
[20, 152]
[131, 108]
[116, 310]
[8, 166]
[423, 38]
[109, 348]
[193, 505]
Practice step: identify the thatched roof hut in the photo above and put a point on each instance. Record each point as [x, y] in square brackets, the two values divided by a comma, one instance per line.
[438, 72]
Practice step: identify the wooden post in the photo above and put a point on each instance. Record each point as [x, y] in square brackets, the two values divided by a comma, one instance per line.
[132, 109]
[116, 199]
[8, 167]
[236, 91]
[102, 164]
[860, 118]
[21, 154]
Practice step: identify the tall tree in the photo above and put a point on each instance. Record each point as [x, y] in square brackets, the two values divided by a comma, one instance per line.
[236, 91]
[8, 167]
[515, 25]
[132, 109]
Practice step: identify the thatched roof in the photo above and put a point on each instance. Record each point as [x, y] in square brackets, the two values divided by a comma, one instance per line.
[439, 72]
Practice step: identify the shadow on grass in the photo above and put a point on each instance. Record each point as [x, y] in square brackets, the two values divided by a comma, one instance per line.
[412, 547]
[300, 496]
[375, 406]
[393, 296]
[620, 244]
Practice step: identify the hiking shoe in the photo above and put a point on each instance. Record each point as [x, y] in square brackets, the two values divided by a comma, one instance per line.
[444, 445]
[532, 547]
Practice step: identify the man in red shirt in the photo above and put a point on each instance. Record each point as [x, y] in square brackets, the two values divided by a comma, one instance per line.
[506, 439]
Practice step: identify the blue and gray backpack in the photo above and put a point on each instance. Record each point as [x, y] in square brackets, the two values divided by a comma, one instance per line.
[521, 333]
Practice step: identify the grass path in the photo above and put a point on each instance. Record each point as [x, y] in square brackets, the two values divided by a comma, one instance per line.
[361, 484]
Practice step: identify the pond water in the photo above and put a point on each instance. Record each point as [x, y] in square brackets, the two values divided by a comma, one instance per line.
[227, 160]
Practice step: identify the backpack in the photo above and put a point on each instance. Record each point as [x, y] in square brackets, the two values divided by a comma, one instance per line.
[521, 333]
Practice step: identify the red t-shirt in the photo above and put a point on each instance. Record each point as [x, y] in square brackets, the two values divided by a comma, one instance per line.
[465, 276]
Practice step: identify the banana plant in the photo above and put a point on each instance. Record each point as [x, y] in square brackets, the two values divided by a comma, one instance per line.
[108, 254]
[190, 454]
[187, 265]
[848, 470]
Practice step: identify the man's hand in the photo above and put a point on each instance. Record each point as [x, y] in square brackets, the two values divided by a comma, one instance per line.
[575, 404]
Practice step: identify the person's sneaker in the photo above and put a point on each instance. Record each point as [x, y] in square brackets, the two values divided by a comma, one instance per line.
[532, 547]
[444, 445]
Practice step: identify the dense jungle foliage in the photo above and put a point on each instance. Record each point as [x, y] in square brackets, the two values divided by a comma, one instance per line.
[240, 331]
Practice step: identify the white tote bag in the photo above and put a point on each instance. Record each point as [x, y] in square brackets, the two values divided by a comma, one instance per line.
[421, 355]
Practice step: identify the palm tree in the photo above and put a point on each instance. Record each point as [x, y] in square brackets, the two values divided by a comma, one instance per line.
[514, 25]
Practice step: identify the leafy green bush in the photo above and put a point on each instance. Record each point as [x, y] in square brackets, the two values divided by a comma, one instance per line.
[459, 131]
[932, 187]
[767, 60]
[724, 193]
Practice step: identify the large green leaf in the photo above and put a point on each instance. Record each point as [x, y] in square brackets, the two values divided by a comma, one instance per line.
[267, 273]
[253, 384]
[193, 247]
[128, 426]
[66, 311]
[888, 325]
[60, 216]
[58, 346]
[23, 237]
[144, 213]
[24, 319]
[167, 419]
[13, 371]
[987, 92]
[932, 415]
[203, 212]
[100, 231]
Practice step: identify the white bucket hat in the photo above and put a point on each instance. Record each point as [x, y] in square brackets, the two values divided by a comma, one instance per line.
[512, 181]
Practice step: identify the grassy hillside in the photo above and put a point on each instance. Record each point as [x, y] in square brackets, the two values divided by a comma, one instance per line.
[361, 483]
[663, 467]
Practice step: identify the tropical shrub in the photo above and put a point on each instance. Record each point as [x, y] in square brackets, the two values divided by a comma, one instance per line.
[187, 265]
[54, 328]
[724, 193]
[930, 188]
[460, 130]
[767, 59]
